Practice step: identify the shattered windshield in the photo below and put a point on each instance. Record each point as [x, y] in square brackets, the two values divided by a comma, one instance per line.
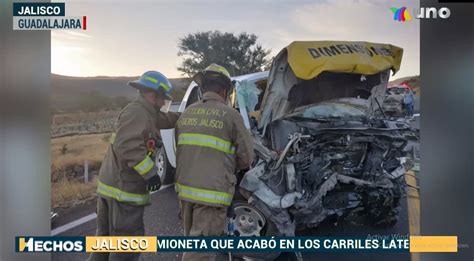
[332, 95]
[329, 86]
[338, 108]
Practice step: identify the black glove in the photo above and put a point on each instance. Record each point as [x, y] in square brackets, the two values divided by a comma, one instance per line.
[153, 184]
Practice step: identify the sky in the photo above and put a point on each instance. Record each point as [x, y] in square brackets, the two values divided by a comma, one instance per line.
[127, 38]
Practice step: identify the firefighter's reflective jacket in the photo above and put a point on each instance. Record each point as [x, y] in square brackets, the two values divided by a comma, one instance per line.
[129, 161]
[212, 143]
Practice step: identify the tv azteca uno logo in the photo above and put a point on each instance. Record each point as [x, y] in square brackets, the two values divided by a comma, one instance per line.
[45, 16]
[402, 14]
[48, 244]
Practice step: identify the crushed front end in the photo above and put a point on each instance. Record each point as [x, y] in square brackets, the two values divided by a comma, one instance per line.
[325, 148]
[345, 168]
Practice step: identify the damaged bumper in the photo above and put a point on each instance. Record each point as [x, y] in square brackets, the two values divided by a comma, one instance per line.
[331, 172]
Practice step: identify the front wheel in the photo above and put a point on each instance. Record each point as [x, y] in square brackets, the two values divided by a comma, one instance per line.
[165, 170]
[250, 221]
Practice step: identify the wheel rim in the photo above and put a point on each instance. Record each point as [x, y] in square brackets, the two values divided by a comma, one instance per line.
[248, 220]
[160, 163]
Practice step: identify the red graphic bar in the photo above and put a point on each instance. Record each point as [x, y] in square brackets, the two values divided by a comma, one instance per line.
[84, 23]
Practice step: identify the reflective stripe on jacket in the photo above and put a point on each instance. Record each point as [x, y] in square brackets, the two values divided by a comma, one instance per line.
[122, 196]
[203, 195]
[128, 163]
[206, 141]
[212, 144]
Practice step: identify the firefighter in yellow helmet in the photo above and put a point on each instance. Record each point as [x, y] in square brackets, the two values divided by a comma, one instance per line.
[128, 173]
[212, 144]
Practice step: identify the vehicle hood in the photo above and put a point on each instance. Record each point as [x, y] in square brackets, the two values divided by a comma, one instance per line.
[308, 59]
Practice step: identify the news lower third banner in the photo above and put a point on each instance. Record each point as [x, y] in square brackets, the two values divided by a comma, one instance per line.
[236, 244]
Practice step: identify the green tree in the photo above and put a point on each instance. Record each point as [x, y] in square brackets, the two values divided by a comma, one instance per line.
[240, 54]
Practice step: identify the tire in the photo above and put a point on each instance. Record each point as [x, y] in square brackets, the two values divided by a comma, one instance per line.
[165, 170]
[268, 230]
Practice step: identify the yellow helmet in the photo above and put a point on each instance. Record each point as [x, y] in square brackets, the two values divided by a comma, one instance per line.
[213, 71]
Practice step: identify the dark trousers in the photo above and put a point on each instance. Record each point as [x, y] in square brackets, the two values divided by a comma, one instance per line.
[118, 219]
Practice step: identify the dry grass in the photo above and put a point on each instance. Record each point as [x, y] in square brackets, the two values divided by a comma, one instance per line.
[91, 147]
[67, 153]
[67, 193]
[83, 123]
[81, 117]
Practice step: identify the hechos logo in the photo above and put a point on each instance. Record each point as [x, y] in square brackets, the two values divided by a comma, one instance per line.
[402, 14]
[49, 244]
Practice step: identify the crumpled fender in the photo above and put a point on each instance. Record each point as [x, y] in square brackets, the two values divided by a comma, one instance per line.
[252, 182]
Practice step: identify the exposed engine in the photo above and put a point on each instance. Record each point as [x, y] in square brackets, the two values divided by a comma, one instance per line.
[354, 169]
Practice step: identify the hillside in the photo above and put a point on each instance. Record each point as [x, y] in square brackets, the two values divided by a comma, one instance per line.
[72, 94]
[91, 94]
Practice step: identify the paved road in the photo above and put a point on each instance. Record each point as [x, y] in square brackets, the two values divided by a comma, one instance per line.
[162, 219]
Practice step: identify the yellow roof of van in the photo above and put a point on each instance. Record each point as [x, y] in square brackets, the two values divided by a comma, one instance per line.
[308, 59]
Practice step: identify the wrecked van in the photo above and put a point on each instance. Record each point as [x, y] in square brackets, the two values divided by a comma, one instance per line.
[323, 147]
